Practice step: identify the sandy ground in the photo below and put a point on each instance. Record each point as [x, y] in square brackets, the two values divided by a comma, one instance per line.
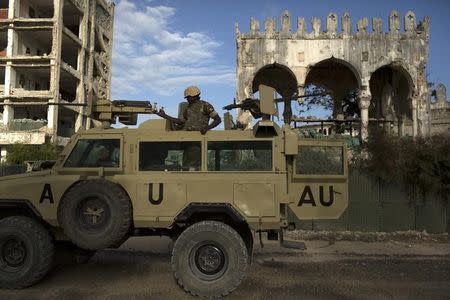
[326, 270]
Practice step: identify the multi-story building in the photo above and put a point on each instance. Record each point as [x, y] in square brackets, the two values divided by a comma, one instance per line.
[55, 61]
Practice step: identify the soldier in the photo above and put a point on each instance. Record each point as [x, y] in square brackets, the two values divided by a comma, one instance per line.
[197, 113]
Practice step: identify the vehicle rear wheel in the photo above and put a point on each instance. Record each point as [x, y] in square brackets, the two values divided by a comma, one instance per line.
[26, 252]
[209, 259]
[95, 214]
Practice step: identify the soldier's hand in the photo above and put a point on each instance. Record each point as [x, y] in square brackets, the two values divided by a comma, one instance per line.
[161, 113]
[204, 130]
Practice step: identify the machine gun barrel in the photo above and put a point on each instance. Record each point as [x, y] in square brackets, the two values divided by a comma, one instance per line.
[265, 106]
[251, 102]
[295, 97]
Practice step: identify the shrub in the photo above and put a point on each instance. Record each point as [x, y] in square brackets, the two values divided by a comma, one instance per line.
[17, 154]
[422, 165]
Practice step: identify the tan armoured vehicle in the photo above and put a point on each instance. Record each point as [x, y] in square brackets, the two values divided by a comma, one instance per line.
[210, 193]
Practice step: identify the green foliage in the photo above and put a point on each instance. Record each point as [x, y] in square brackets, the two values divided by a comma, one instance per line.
[350, 106]
[17, 154]
[421, 164]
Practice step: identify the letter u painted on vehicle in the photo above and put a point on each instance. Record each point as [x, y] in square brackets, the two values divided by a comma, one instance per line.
[160, 195]
[331, 199]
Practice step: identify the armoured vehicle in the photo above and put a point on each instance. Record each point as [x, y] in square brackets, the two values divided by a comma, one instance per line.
[210, 193]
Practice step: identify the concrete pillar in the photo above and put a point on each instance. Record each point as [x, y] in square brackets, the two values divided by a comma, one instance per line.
[10, 78]
[14, 9]
[364, 106]
[53, 110]
[82, 58]
[8, 113]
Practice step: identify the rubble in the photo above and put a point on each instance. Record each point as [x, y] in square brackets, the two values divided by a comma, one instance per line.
[332, 236]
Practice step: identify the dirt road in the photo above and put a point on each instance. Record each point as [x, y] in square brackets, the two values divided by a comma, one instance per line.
[351, 270]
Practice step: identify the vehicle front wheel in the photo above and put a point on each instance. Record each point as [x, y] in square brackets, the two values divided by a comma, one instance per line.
[26, 252]
[209, 259]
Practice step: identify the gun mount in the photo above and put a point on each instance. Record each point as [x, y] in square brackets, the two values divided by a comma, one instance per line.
[105, 112]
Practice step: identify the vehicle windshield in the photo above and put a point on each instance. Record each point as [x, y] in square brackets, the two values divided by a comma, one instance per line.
[92, 153]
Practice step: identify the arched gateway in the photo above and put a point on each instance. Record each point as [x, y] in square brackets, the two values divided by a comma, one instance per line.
[386, 68]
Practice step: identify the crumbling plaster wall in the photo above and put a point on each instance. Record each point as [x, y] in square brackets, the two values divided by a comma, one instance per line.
[363, 52]
[440, 111]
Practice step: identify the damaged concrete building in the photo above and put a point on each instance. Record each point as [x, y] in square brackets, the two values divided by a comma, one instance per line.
[387, 69]
[55, 60]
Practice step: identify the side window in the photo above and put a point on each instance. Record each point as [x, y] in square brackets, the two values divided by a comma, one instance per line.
[169, 156]
[240, 156]
[92, 153]
[319, 160]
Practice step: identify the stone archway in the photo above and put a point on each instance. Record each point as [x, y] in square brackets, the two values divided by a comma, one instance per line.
[337, 76]
[282, 79]
[391, 87]
[278, 76]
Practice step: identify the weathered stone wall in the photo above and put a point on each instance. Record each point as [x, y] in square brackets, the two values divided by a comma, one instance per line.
[440, 111]
[362, 52]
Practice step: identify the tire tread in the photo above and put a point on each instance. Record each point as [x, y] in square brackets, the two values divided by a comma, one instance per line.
[195, 229]
[45, 246]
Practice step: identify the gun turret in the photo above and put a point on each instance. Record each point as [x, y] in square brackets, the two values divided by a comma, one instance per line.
[127, 111]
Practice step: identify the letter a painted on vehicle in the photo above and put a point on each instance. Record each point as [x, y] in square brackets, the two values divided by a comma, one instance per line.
[307, 197]
[47, 194]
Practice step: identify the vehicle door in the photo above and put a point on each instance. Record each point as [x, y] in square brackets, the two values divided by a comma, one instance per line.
[318, 180]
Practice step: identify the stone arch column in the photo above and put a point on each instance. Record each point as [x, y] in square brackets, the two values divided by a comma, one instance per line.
[364, 104]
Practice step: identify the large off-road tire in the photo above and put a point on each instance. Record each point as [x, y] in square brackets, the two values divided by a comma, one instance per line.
[95, 214]
[209, 259]
[26, 252]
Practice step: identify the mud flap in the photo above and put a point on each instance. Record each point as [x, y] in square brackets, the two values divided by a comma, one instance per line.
[298, 245]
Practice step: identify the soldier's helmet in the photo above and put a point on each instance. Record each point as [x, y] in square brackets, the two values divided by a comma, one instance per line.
[191, 91]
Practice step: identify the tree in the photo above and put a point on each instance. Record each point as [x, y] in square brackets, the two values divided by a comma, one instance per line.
[349, 104]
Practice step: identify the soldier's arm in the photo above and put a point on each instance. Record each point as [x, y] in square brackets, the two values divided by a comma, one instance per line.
[216, 121]
[209, 110]
[163, 115]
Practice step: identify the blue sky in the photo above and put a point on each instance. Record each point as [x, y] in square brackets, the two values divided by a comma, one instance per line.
[162, 46]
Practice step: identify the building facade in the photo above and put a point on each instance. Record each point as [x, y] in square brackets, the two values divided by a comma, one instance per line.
[55, 61]
[387, 69]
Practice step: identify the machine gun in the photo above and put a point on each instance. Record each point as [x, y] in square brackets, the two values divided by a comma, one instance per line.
[266, 107]
[105, 112]
[249, 104]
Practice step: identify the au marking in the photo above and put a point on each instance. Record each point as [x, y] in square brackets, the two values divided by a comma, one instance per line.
[160, 195]
[307, 196]
[47, 194]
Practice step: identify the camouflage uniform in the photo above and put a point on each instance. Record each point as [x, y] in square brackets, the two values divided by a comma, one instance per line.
[196, 115]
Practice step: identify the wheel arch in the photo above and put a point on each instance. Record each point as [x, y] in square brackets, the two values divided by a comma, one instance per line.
[18, 207]
[223, 212]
